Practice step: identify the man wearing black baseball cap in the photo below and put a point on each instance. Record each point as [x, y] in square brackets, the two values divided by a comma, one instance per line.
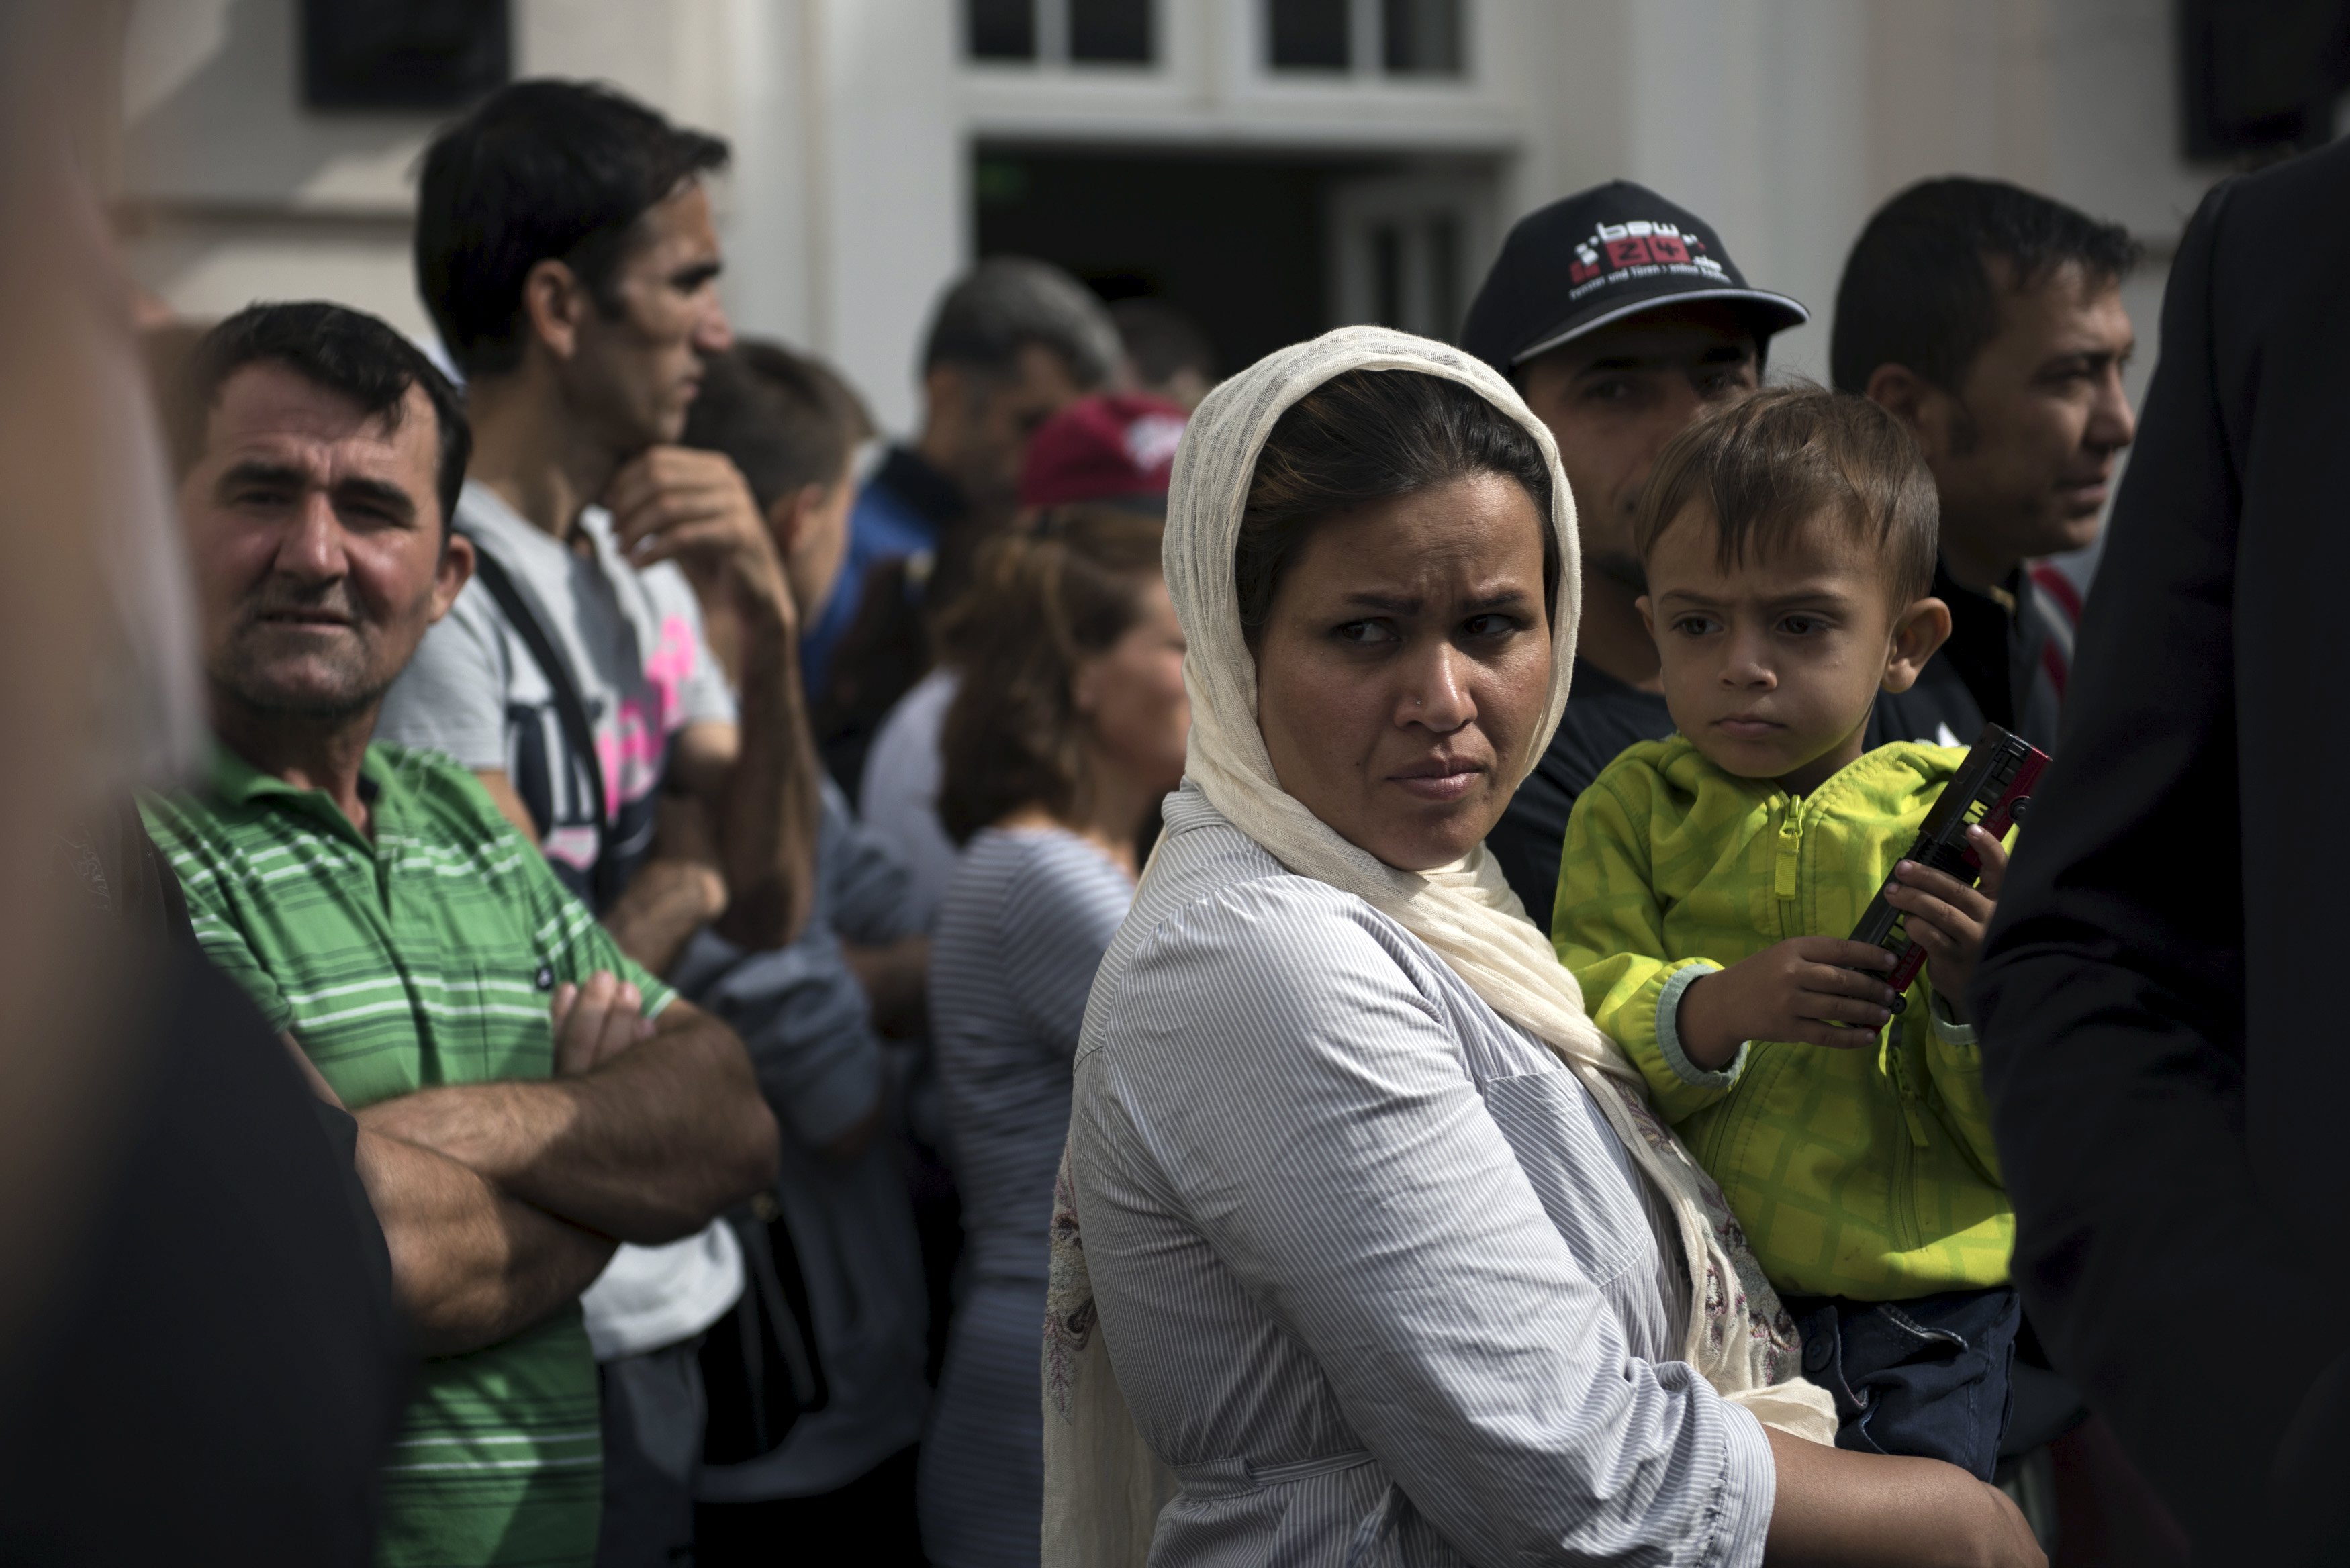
[1621, 319]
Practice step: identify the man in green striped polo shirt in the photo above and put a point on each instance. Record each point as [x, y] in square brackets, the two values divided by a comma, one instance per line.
[527, 1097]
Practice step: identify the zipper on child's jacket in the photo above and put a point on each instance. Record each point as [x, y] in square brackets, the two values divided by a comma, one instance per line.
[1786, 885]
[1912, 1103]
[1902, 1200]
[1787, 861]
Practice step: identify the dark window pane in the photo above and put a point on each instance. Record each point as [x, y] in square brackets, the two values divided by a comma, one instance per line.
[1387, 274]
[1001, 30]
[402, 53]
[1423, 37]
[1308, 34]
[1110, 30]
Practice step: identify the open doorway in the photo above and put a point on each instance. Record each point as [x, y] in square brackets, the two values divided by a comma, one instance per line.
[1408, 249]
[1261, 250]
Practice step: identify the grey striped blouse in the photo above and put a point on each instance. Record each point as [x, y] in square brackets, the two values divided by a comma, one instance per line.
[1019, 936]
[1377, 1277]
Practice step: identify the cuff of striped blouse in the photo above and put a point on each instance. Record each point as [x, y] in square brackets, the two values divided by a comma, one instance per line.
[1669, 1034]
[1750, 1486]
[1947, 1028]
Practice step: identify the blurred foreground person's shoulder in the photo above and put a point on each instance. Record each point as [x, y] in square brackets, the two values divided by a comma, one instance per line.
[221, 1336]
[198, 1356]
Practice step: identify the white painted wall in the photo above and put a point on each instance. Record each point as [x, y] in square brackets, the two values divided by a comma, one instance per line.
[893, 172]
[771, 193]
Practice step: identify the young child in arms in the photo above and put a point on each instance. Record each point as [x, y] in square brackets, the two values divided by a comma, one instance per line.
[1712, 880]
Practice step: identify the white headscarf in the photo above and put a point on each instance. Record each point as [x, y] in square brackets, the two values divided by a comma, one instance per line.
[1739, 1338]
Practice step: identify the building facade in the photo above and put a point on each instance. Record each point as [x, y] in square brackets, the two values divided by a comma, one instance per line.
[1270, 166]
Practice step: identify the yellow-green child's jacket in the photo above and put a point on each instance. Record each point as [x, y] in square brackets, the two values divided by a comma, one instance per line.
[1867, 1173]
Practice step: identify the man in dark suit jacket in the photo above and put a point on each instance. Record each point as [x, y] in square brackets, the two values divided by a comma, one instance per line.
[2157, 1000]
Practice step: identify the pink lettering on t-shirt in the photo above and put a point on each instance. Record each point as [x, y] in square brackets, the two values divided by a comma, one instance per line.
[633, 746]
[672, 663]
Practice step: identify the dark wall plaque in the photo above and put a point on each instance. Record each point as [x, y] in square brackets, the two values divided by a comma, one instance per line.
[403, 53]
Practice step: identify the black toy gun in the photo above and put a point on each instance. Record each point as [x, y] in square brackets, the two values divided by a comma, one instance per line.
[1992, 789]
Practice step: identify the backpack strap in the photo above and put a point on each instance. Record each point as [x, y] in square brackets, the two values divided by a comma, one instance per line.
[571, 710]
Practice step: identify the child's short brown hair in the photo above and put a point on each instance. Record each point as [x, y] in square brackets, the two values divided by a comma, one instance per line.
[1770, 463]
[787, 420]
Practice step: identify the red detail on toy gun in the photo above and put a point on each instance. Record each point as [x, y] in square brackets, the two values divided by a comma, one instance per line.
[1991, 790]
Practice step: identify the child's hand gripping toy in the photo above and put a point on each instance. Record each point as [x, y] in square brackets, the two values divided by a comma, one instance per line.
[1991, 790]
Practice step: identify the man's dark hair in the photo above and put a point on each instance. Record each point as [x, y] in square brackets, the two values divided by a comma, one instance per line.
[341, 350]
[1364, 437]
[1768, 467]
[1918, 290]
[1007, 303]
[541, 169]
[787, 421]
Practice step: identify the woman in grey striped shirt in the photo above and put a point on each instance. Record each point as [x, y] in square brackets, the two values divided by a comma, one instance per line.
[1065, 733]
[1369, 1248]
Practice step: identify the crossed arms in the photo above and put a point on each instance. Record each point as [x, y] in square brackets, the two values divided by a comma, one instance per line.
[502, 1201]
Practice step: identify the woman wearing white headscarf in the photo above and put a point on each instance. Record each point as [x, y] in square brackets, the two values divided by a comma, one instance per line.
[1369, 1248]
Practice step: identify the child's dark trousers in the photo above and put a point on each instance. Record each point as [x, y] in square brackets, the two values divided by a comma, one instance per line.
[1925, 1377]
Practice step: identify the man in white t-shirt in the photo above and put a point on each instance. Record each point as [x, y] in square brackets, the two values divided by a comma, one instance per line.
[566, 248]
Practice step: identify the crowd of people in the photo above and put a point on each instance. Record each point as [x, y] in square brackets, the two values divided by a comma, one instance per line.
[1226, 971]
